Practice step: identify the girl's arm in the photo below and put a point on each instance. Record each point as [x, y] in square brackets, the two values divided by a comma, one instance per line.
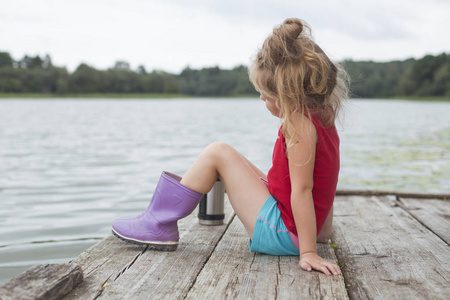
[301, 156]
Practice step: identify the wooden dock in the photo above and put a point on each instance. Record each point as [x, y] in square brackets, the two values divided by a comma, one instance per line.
[390, 246]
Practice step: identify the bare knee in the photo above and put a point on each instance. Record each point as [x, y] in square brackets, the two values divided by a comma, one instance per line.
[209, 166]
[220, 146]
[324, 237]
[218, 150]
[219, 154]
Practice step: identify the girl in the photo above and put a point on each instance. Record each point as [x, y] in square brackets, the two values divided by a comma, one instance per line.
[290, 209]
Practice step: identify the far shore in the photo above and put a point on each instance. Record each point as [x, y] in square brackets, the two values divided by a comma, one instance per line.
[93, 95]
[413, 98]
[177, 96]
[114, 96]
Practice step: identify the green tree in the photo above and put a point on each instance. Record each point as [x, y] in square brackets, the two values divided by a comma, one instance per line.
[5, 60]
[86, 79]
[121, 65]
[243, 85]
[28, 62]
[122, 80]
[56, 80]
[442, 79]
[10, 80]
[215, 82]
[141, 70]
[47, 62]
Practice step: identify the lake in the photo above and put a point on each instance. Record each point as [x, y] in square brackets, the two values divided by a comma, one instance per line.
[69, 167]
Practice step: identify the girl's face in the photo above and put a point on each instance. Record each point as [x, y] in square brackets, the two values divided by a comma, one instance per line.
[271, 105]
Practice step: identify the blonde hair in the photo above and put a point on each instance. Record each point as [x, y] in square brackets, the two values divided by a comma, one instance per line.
[293, 70]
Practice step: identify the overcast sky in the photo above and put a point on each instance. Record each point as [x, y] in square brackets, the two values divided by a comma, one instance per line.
[172, 34]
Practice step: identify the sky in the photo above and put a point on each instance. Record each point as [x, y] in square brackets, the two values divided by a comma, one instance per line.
[170, 35]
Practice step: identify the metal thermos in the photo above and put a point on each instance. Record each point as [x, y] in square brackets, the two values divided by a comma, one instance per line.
[211, 211]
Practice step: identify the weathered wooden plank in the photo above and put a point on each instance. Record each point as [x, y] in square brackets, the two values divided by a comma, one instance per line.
[233, 272]
[442, 196]
[169, 275]
[102, 263]
[50, 281]
[433, 213]
[108, 260]
[387, 253]
[294, 283]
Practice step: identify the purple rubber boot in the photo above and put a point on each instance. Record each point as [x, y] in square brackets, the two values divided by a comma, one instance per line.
[157, 225]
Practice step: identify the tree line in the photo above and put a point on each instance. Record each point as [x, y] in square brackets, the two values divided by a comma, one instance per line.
[428, 76]
[425, 77]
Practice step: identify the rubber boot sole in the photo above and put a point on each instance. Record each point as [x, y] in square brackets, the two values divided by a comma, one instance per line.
[159, 246]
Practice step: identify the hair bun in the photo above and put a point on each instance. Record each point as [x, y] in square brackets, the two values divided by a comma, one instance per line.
[290, 29]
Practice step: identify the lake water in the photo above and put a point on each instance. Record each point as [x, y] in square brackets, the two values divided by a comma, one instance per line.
[68, 168]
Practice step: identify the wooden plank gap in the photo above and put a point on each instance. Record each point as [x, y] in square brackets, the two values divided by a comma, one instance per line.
[424, 196]
[277, 284]
[388, 253]
[210, 254]
[433, 214]
[126, 267]
[253, 260]
[402, 205]
[120, 273]
[340, 263]
[103, 286]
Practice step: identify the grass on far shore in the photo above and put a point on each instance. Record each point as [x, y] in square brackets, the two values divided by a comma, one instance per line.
[173, 96]
[94, 95]
[114, 96]
[431, 98]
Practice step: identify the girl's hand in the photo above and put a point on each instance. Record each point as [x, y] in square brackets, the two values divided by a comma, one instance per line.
[311, 260]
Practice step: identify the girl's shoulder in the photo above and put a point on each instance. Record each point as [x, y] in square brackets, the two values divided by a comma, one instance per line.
[301, 125]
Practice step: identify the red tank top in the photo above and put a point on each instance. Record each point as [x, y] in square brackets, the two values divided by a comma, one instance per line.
[325, 176]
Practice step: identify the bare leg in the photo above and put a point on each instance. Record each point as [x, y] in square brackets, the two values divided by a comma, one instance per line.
[325, 235]
[255, 169]
[247, 193]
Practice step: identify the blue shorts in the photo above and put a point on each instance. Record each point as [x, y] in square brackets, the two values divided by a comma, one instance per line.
[270, 235]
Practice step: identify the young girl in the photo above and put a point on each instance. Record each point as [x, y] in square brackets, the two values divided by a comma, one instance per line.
[290, 209]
